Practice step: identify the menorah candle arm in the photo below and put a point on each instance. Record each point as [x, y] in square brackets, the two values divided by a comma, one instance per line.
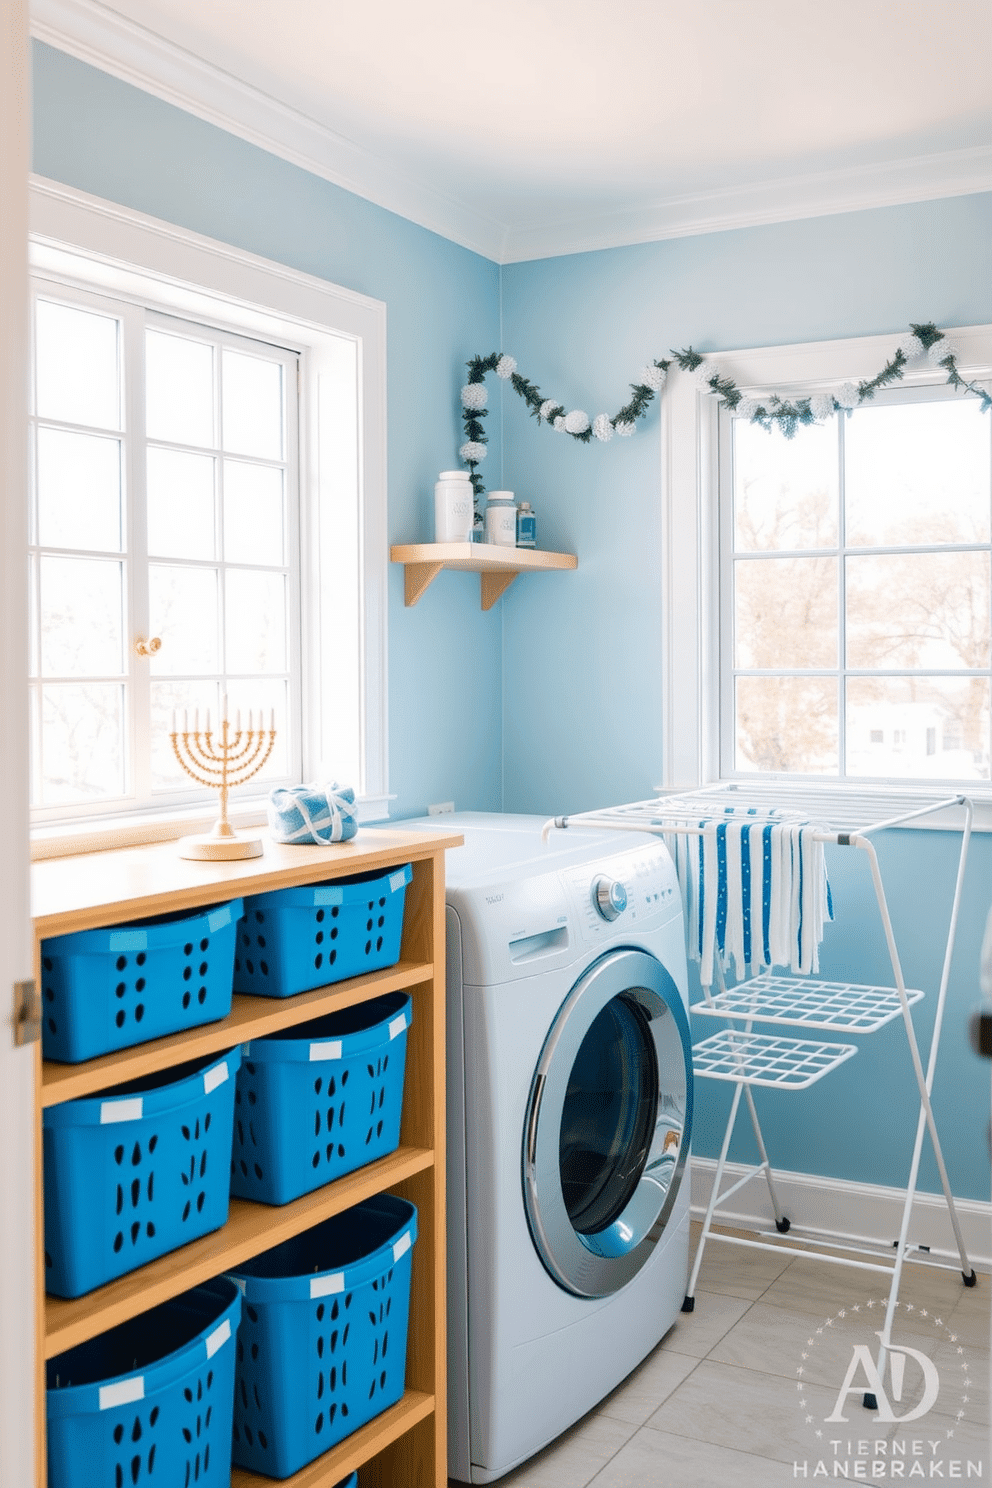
[245, 767]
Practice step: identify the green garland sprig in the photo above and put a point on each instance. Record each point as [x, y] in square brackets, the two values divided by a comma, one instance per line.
[785, 414]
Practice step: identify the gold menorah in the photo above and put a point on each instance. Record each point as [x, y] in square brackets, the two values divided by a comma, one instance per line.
[222, 764]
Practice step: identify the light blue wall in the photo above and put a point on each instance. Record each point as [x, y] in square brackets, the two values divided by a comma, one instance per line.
[555, 690]
[582, 653]
[108, 138]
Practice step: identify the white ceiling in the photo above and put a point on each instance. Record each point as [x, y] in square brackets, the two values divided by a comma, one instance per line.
[529, 127]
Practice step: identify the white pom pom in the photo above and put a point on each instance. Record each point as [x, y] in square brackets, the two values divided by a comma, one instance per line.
[910, 346]
[602, 427]
[847, 395]
[474, 395]
[576, 422]
[653, 378]
[624, 428]
[940, 351]
[707, 373]
[822, 405]
[547, 406]
[505, 367]
[559, 424]
[472, 452]
[747, 407]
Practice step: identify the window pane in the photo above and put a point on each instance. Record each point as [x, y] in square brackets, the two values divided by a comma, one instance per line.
[918, 727]
[785, 490]
[265, 699]
[918, 610]
[917, 473]
[786, 612]
[252, 399]
[179, 389]
[82, 749]
[253, 513]
[79, 491]
[81, 617]
[256, 621]
[78, 366]
[787, 724]
[178, 695]
[180, 504]
[183, 611]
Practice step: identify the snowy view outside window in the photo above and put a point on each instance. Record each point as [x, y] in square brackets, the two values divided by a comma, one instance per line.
[162, 507]
[860, 601]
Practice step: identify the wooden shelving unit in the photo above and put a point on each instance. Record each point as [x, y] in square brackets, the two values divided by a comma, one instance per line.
[497, 567]
[406, 1444]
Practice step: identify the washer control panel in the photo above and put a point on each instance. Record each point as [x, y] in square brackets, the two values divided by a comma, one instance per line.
[636, 887]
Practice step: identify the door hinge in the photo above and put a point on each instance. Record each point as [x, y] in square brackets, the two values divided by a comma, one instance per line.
[27, 1014]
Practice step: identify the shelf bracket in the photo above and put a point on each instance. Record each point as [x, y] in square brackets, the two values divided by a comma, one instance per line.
[417, 579]
[492, 585]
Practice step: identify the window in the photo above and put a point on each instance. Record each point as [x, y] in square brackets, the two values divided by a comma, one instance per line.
[208, 472]
[855, 631]
[164, 568]
[893, 591]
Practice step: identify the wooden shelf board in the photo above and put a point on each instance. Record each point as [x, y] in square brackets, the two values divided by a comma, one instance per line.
[249, 1018]
[112, 888]
[250, 1229]
[364, 1444]
[497, 566]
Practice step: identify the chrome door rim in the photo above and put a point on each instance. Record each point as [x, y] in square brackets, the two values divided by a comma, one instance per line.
[597, 1265]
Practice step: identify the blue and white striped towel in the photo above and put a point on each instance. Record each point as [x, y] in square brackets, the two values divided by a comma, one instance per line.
[755, 891]
[312, 814]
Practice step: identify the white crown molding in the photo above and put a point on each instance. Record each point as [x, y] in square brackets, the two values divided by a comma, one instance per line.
[98, 35]
[758, 204]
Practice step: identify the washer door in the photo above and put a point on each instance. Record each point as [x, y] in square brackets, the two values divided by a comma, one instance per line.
[608, 1124]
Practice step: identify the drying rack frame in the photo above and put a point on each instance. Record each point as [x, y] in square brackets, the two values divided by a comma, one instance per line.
[746, 1058]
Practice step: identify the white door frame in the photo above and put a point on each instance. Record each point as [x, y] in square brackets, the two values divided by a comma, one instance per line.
[18, 1249]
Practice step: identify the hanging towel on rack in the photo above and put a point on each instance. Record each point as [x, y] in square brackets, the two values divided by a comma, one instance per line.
[754, 886]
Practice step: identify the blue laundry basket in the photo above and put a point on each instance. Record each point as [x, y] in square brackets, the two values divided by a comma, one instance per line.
[322, 1343]
[319, 1100]
[132, 1175]
[151, 1399]
[295, 939]
[108, 989]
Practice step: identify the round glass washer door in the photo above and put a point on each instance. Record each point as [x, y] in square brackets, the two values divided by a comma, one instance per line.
[608, 1123]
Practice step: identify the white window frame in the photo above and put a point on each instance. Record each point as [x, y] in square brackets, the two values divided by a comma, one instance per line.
[95, 245]
[690, 567]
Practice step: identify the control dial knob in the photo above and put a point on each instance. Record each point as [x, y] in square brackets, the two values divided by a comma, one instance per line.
[609, 897]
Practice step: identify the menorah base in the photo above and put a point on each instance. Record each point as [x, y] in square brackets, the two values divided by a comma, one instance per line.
[219, 848]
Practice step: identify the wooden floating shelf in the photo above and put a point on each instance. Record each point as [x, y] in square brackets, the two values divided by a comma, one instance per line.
[365, 1443]
[496, 566]
[250, 1229]
[249, 1018]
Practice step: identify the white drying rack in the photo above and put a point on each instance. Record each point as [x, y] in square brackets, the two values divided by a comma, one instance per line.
[746, 1058]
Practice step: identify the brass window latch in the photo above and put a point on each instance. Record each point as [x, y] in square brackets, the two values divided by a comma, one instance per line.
[27, 1014]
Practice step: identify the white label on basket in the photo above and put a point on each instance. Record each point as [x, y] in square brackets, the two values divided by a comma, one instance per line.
[397, 881]
[397, 1026]
[123, 1392]
[217, 1337]
[129, 940]
[325, 1051]
[121, 1110]
[214, 1077]
[218, 918]
[401, 1247]
[328, 896]
[323, 1286]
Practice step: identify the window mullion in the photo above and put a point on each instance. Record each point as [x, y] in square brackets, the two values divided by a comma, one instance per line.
[138, 669]
[841, 598]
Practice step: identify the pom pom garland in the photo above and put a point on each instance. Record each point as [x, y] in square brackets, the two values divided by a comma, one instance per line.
[924, 340]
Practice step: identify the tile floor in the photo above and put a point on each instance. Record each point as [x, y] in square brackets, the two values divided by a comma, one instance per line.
[718, 1401]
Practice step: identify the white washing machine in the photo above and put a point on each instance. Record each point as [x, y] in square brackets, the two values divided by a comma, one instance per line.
[569, 1117]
